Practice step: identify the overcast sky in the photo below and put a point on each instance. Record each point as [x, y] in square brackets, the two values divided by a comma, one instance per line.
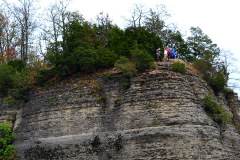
[219, 19]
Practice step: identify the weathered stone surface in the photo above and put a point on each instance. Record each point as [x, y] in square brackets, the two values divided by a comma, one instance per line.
[160, 116]
[7, 113]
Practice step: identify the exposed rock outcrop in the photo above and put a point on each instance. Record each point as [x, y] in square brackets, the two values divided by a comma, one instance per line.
[160, 116]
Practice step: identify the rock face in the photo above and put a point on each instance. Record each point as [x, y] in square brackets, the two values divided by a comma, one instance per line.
[160, 116]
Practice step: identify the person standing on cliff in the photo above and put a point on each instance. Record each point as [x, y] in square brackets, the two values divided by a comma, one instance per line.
[165, 54]
[173, 51]
[168, 54]
[158, 54]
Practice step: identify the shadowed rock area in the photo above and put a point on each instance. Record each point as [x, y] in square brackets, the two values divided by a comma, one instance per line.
[160, 116]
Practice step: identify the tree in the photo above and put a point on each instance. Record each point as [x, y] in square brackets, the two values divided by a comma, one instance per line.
[218, 82]
[228, 65]
[117, 41]
[137, 17]
[201, 45]
[7, 38]
[175, 39]
[6, 81]
[79, 53]
[23, 13]
[155, 19]
[3, 23]
[57, 16]
[146, 41]
[104, 23]
[142, 59]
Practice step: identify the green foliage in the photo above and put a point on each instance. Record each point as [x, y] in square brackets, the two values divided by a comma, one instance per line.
[6, 81]
[142, 59]
[106, 58]
[227, 91]
[17, 96]
[201, 45]
[122, 42]
[215, 79]
[205, 68]
[179, 67]
[216, 112]
[117, 42]
[7, 150]
[76, 54]
[17, 64]
[49, 76]
[147, 41]
[14, 83]
[151, 106]
[218, 82]
[127, 68]
[102, 97]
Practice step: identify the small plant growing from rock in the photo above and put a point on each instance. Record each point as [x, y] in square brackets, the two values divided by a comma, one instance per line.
[151, 106]
[221, 141]
[102, 97]
[179, 67]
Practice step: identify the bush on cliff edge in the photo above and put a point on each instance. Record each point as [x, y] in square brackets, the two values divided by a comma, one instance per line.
[179, 67]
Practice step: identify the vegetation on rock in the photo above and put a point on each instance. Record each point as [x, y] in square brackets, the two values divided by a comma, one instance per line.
[216, 112]
[7, 149]
[179, 67]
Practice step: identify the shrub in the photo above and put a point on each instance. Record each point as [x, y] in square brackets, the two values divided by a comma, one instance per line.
[47, 76]
[216, 112]
[6, 81]
[17, 64]
[106, 58]
[127, 68]
[218, 82]
[179, 67]
[142, 59]
[204, 67]
[7, 149]
[17, 96]
[227, 91]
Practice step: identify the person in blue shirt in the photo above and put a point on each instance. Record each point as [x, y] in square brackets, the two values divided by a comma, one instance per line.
[173, 53]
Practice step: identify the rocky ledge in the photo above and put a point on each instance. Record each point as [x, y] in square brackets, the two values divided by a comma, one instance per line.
[160, 116]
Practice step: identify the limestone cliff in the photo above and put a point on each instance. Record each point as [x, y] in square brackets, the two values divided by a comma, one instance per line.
[160, 116]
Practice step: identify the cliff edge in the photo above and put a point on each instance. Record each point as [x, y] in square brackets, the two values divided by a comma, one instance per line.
[160, 116]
